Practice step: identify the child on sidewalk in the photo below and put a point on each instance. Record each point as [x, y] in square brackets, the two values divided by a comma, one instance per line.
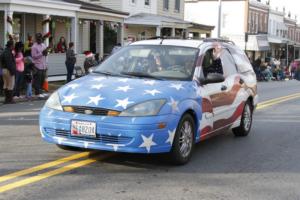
[28, 76]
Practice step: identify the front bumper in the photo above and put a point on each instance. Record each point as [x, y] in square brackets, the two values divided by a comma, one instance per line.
[255, 101]
[121, 134]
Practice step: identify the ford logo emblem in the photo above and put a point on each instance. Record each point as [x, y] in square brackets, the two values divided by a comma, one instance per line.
[88, 112]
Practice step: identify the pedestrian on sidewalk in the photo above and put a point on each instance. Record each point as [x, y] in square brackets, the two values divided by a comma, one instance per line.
[29, 66]
[9, 70]
[39, 53]
[1, 73]
[294, 66]
[70, 61]
[97, 59]
[19, 47]
[89, 61]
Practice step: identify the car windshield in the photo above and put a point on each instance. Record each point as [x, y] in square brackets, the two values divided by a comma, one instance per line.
[151, 61]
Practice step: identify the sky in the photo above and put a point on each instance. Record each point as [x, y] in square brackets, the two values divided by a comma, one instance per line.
[290, 5]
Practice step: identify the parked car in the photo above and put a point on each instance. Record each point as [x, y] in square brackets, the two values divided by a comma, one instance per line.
[155, 96]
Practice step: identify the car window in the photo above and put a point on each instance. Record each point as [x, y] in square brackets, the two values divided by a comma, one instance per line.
[228, 63]
[211, 63]
[160, 61]
[241, 60]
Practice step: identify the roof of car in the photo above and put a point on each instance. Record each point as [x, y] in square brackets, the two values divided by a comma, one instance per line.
[171, 42]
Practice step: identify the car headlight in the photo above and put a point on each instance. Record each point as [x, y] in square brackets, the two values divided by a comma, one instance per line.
[54, 102]
[148, 108]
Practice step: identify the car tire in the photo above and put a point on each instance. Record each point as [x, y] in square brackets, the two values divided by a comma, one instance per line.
[68, 148]
[246, 121]
[184, 135]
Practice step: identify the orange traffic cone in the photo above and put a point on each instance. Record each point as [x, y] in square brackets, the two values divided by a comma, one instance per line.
[46, 85]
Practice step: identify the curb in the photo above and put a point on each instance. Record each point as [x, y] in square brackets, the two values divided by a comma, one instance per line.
[52, 88]
[23, 100]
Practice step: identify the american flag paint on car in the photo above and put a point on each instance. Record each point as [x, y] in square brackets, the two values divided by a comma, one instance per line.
[128, 105]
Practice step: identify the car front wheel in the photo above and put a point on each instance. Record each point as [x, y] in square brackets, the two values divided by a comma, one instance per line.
[183, 143]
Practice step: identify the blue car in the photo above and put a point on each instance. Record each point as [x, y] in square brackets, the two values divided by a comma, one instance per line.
[155, 96]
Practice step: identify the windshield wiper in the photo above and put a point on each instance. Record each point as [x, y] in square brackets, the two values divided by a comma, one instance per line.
[142, 75]
[106, 73]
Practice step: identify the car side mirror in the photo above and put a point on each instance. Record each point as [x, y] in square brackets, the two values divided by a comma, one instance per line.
[213, 78]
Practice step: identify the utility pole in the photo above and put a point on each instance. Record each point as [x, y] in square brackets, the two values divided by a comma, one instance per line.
[219, 18]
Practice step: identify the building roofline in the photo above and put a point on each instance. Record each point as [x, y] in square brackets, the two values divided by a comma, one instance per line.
[202, 26]
[277, 12]
[36, 3]
[95, 7]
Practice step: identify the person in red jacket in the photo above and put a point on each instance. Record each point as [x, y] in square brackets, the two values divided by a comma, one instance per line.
[61, 46]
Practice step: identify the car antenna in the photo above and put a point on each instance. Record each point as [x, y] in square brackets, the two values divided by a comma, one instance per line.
[158, 37]
[162, 39]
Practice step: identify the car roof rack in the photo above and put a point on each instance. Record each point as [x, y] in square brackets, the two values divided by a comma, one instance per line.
[164, 37]
[218, 40]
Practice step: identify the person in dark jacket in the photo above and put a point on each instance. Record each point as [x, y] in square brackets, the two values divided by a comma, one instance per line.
[9, 70]
[89, 61]
[70, 61]
[212, 62]
[28, 76]
[1, 78]
[97, 59]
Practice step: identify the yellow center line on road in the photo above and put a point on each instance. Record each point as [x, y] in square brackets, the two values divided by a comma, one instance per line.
[275, 101]
[48, 174]
[44, 166]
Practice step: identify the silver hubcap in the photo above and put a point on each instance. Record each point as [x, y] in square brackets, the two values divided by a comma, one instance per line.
[247, 119]
[186, 139]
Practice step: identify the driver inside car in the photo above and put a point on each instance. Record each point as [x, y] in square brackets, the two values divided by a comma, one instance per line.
[155, 63]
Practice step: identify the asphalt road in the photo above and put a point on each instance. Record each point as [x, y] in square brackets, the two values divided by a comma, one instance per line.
[265, 165]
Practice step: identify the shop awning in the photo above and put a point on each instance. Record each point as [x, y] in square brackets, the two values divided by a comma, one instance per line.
[258, 43]
[275, 40]
[156, 20]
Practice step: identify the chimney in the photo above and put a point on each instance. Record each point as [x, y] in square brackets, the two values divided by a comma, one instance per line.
[289, 15]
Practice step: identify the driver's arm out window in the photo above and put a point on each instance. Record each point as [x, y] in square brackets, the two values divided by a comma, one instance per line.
[211, 64]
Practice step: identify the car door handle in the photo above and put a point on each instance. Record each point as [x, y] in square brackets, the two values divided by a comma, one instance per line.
[224, 87]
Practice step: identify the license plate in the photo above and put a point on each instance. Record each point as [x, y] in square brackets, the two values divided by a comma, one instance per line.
[83, 128]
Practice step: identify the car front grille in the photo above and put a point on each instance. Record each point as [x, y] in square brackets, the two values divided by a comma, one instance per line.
[90, 110]
[102, 138]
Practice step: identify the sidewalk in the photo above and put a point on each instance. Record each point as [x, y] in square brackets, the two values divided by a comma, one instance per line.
[52, 87]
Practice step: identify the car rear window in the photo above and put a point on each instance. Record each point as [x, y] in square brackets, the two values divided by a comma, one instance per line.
[241, 60]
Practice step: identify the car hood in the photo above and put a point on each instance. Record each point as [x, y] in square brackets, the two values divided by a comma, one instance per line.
[119, 93]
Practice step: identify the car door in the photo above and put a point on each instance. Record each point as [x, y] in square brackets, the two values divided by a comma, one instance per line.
[214, 95]
[228, 104]
[223, 97]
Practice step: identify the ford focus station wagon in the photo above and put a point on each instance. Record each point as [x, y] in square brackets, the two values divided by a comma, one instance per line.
[155, 96]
